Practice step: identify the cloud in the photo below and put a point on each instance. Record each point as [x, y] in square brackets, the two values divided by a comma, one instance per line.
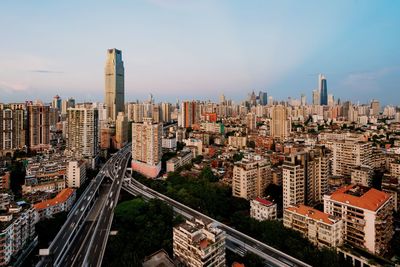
[13, 86]
[45, 71]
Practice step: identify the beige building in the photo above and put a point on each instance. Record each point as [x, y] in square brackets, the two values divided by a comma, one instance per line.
[82, 132]
[362, 175]
[114, 98]
[305, 177]
[38, 126]
[63, 201]
[280, 126]
[197, 243]
[76, 173]
[321, 229]
[262, 209]
[12, 128]
[146, 147]
[251, 176]
[348, 154]
[367, 216]
[183, 158]
[121, 130]
[237, 141]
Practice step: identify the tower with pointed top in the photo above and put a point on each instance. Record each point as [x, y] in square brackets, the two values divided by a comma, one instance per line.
[114, 84]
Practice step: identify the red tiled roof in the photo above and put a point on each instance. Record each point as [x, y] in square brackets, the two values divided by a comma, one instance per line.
[236, 264]
[264, 201]
[372, 199]
[311, 213]
[60, 198]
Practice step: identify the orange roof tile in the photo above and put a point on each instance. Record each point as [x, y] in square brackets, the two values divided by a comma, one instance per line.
[236, 264]
[311, 213]
[60, 198]
[372, 199]
[204, 243]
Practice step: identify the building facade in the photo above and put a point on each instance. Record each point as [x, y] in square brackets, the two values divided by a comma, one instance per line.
[114, 84]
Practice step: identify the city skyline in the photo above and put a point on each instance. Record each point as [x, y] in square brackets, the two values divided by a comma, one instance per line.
[237, 49]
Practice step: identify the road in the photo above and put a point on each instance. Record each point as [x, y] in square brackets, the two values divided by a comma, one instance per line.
[236, 241]
[76, 220]
[98, 242]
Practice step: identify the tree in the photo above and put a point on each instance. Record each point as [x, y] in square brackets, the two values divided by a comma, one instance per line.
[208, 175]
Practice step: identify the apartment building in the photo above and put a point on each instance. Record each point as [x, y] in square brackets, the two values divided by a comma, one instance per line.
[12, 128]
[76, 173]
[305, 177]
[251, 176]
[146, 147]
[121, 130]
[349, 154]
[262, 209]
[197, 243]
[239, 142]
[17, 229]
[38, 126]
[362, 175]
[366, 214]
[63, 201]
[183, 158]
[83, 132]
[322, 229]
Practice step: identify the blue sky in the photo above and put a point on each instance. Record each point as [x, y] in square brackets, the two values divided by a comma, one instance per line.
[199, 49]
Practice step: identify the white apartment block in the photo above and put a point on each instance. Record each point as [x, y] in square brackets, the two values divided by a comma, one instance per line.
[17, 229]
[320, 228]
[367, 216]
[76, 173]
[197, 244]
[62, 202]
[250, 177]
[262, 210]
[183, 158]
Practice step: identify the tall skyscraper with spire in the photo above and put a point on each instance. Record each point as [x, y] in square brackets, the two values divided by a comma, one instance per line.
[114, 83]
[323, 90]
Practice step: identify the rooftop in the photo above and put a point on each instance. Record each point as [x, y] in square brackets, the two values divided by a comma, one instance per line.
[313, 214]
[362, 197]
[264, 201]
[60, 198]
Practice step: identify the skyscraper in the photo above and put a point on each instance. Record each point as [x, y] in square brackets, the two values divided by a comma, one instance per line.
[263, 97]
[323, 89]
[114, 83]
[316, 99]
[189, 115]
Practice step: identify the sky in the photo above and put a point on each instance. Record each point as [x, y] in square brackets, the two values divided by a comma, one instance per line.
[186, 49]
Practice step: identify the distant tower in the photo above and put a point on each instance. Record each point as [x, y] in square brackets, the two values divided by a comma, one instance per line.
[114, 83]
[303, 100]
[263, 97]
[316, 99]
[323, 90]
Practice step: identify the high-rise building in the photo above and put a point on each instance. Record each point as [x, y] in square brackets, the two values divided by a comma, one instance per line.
[147, 147]
[316, 98]
[83, 132]
[367, 216]
[251, 176]
[166, 112]
[305, 177]
[12, 128]
[303, 100]
[280, 124]
[323, 89]
[349, 154]
[263, 98]
[76, 173]
[197, 243]
[121, 130]
[251, 121]
[189, 114]
[375, 107]
[114, 84]
[56, 103]
[38, 126]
